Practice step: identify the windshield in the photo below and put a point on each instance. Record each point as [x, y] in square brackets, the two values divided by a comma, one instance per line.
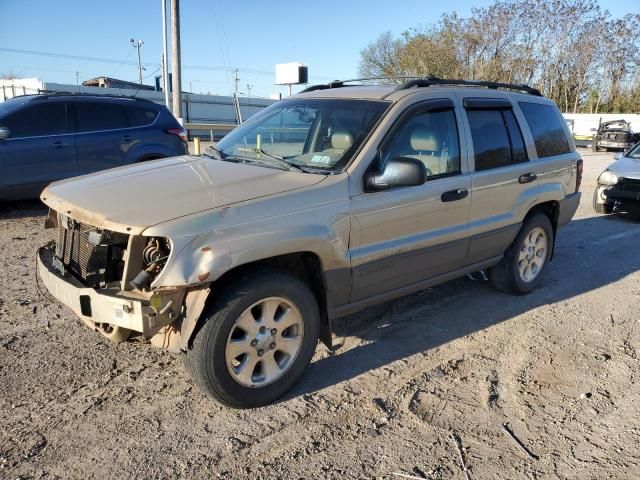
[13, 104]
[634, 152]
[308, 134]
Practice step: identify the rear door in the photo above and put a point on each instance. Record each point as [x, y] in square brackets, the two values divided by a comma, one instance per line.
[39, 150]
[504, 182]
[103, 135]
[557, 158]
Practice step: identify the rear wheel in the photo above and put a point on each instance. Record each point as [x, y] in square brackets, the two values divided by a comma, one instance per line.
[257, 339]
[600, 204]
[524, 263]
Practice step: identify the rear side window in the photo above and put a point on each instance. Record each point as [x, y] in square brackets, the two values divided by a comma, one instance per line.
[139, 116]
[37, 121]
[547, 129]
[95, 116]
[497, 140]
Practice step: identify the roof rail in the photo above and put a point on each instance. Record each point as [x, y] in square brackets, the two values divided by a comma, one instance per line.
[52, 93]
[341, 83]
[430, 81]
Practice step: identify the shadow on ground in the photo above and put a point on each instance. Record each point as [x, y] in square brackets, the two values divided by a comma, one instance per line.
[22, 208]
[423, 321]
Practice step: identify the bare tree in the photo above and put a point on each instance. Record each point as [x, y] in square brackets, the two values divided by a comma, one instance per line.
[570, 49]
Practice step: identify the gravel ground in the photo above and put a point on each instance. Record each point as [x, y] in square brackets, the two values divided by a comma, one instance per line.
[558, 366]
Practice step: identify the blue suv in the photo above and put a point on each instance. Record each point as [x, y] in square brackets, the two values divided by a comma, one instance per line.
[44, 138]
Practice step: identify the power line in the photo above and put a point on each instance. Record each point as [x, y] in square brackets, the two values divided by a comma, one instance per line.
[125, 62]
[148, 64]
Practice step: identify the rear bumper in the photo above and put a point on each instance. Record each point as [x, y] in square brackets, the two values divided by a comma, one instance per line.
[614, 144]
[568, 208]
[93, 307]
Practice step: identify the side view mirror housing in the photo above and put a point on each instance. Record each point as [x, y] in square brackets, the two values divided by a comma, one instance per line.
[617, 156]
[398, 172]
[4, 133]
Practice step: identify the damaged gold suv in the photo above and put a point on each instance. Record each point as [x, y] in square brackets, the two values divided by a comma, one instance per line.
[335, 199]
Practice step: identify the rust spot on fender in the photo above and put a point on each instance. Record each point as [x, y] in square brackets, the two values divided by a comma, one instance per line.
[205, 249]
[203, 276]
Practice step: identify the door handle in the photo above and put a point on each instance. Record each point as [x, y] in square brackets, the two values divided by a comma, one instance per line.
[59, 144]
[453, 195]
[527, 177]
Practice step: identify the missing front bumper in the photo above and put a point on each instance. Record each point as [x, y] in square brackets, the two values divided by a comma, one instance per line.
[108, 306]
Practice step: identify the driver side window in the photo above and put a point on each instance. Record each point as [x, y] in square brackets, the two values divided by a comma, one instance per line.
[430, 136]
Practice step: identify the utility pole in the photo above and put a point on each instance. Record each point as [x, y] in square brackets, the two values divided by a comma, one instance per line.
[165, 66]
[237, 80]
[175, 59]
[77, 78]
[137, 46]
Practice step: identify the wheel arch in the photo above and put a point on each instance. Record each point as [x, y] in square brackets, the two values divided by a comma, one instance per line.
[305, 265]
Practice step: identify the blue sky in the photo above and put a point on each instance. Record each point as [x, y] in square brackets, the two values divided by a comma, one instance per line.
[218, 34]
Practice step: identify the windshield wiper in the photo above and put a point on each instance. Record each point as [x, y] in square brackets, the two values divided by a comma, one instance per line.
[272, 159]
[218, 153]
[279, 160]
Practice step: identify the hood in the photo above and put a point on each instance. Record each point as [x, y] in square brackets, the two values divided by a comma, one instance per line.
[626, 167]
[132, 198]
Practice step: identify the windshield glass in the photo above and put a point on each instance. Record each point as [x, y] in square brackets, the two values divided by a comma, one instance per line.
[12, 104]
[634, 152]
[311, 134]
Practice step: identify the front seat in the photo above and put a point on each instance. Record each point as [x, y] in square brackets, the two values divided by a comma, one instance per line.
[341, 141]
[426, 148]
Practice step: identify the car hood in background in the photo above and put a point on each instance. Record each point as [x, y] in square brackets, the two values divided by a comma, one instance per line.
[626, 167]
[132, 198]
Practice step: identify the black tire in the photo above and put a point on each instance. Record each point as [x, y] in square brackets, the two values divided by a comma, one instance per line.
[601, 208]
[149, 158]
[205, 360]
[505, 276]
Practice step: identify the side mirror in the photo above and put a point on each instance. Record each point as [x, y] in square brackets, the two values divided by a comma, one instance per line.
[4, 133]
[617, 156]
[398, 172]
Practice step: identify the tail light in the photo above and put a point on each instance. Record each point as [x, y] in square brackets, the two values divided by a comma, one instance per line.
[579, 168]
[179, 132]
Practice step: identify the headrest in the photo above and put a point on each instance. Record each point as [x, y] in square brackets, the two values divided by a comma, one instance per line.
[423, 140]
[341, 139]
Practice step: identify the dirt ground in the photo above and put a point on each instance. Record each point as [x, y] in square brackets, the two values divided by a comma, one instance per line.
[559, 367]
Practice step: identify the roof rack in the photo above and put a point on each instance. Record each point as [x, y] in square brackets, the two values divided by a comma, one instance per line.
[53, 93]
[427, 81]
[431, 80]
[341, 83]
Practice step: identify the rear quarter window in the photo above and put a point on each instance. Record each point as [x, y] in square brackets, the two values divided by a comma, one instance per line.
[547, 128]
[140, 116]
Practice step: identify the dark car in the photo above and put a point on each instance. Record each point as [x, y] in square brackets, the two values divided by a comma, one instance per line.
[616, 134]
[44, 138]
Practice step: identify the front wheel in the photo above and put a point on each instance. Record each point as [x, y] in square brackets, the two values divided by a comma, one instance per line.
[257, 339]
[522, 267]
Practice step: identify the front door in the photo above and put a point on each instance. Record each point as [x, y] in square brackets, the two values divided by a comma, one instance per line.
[40, 149]
[406, 235]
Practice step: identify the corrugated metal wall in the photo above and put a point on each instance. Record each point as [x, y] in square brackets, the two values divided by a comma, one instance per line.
[196, 108]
